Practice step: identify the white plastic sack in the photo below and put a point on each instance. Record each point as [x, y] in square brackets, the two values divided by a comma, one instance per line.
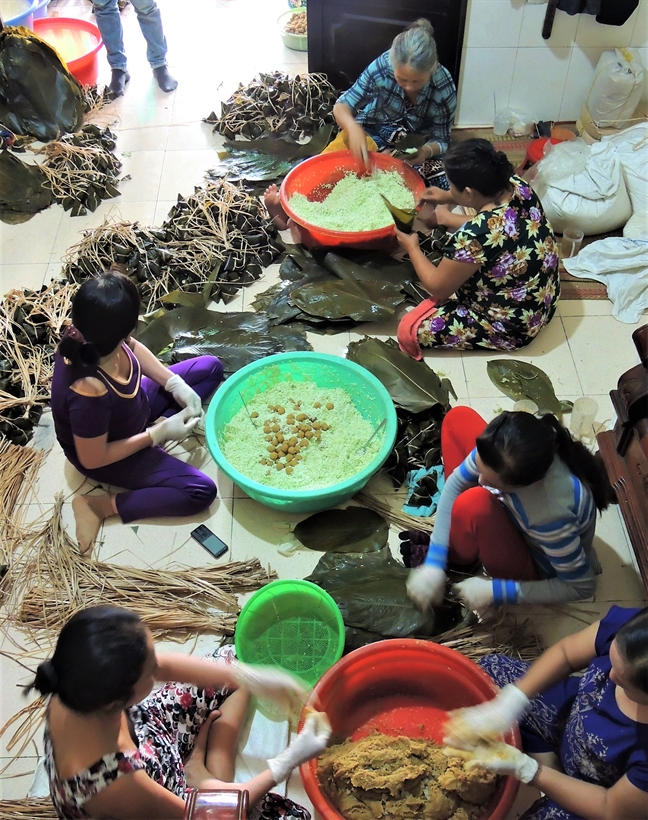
[622, 266]
[582, 186]
[616, 89]
[631, 146]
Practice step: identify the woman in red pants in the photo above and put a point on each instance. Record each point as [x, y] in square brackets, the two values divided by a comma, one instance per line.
[520, 499]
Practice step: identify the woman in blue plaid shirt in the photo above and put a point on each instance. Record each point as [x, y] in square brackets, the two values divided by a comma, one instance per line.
[404, 91]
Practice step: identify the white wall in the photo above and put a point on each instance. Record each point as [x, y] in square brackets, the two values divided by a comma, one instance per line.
[504, 53]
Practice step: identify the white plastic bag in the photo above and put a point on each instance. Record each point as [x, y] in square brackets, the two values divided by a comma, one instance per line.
[631, 146]
[582, 186]
[622, 265]
[616, 89]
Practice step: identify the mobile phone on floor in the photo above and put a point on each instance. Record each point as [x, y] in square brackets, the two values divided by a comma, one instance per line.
[211, 542]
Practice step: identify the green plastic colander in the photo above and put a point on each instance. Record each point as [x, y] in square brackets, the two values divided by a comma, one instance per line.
[295, 625]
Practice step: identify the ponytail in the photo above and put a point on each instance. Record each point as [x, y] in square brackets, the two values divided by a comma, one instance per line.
[75, 348]
[46, 680]
[589, 468]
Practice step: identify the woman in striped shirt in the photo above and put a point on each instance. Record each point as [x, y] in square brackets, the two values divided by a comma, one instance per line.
[520, 499]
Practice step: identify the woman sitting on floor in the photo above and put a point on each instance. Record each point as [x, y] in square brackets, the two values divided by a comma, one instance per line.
[585, 737]
[520, 499]
[498, 282]
[107, 391]
[114, 748]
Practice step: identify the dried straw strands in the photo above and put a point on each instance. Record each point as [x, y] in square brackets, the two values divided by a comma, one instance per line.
[396, 517]
[31, 808]
[53, 581]
[499, 633]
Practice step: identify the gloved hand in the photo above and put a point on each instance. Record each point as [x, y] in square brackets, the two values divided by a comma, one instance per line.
[500, 758]
[426, 586]
[467, 728]
[268, 683]
[414, 546]
[185, 396]
[175, 428]
[309, 743]
[476, 593]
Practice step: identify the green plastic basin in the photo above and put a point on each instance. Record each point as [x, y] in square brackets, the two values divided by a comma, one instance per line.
[369, 396]
[295, 625]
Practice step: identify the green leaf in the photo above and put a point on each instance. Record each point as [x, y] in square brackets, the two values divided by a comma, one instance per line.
[355, 529]
[403, 217]
[406, 143]
[179, 297]
[411, 384]
[22, 188]
[523, 380]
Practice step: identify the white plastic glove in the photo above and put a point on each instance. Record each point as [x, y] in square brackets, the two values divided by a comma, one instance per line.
[500, 758]
[467, 728]
[309, 743]
[476, 593]
[185, 396]
[426, 586]
[269, 683]
[175, 428]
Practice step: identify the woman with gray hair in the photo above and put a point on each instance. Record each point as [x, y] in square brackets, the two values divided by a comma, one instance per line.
[405, 90]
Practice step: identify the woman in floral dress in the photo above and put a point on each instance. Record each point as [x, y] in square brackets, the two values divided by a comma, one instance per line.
[584, 735]
[498, 282]
[116, 749]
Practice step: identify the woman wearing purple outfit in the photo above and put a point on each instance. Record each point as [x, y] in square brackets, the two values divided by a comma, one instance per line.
[107, 391]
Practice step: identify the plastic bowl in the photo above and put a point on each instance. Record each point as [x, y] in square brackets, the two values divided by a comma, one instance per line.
[23, 12]
[297, 42]
[295, 625]
[313, 178]
[77, 43]
[401, 687]
[369, 396]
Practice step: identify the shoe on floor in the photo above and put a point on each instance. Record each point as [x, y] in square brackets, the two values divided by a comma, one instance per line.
[118, 81]
[164, 79]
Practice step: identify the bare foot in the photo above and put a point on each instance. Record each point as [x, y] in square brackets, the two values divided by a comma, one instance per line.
[273, 204]
[295, 233]
[89, 512]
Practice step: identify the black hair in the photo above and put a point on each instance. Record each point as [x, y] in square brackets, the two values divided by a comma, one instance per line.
[474, 163]
[99, 657]
[520, 448]
[632, 641]
[104, 311]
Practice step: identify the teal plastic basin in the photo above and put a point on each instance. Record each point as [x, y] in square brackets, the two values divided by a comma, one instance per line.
[369, 396]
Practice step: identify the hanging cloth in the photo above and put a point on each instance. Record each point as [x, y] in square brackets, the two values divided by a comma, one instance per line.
[616, 12]
[580, 6]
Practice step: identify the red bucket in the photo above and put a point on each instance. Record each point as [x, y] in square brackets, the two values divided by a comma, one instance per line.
[314, 178]
[77, 43]
[401, 687]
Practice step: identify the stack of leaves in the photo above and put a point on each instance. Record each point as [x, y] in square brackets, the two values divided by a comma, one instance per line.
[268, 158]
[212, 244]
[31, 324]
[339, 292]
[82, 169]
[422, 399]
[236, 338]
[277, 103]
[38, 95]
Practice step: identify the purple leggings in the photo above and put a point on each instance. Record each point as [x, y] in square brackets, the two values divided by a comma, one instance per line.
[160, 484]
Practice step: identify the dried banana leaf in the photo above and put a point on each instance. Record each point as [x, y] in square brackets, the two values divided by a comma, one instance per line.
[523, 380]
[411, 385]
[21, 189]
[355, 529]
[403, 217]
[38, 95]
[369, 588]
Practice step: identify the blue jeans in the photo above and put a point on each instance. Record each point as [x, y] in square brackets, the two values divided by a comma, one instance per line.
[110, 27]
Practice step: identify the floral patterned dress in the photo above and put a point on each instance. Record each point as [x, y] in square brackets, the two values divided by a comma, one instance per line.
[579, 720]
[166, 725]
[514, 293]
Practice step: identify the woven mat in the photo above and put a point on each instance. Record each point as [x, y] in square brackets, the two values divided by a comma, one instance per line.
[514, 147]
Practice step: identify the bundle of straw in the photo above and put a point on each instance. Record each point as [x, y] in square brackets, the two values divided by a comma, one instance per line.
[31, 808]
[500, 633]
[396, 517]
[53, 581]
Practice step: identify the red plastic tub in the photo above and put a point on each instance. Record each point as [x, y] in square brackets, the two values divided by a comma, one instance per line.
[401, 687]
[77, 43]
[313, 178]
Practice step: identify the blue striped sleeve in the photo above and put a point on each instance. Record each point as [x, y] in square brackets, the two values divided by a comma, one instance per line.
[505, 592]
[437, 556]
[461, 479]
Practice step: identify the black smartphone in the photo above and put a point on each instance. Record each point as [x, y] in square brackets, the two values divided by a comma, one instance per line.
[210, 541]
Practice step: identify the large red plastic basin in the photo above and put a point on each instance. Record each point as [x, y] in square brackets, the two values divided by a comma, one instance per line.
[77, 43]
[313, 178]
[401, 687]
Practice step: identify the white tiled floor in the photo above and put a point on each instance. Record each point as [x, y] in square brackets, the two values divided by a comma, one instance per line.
[214, 44]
